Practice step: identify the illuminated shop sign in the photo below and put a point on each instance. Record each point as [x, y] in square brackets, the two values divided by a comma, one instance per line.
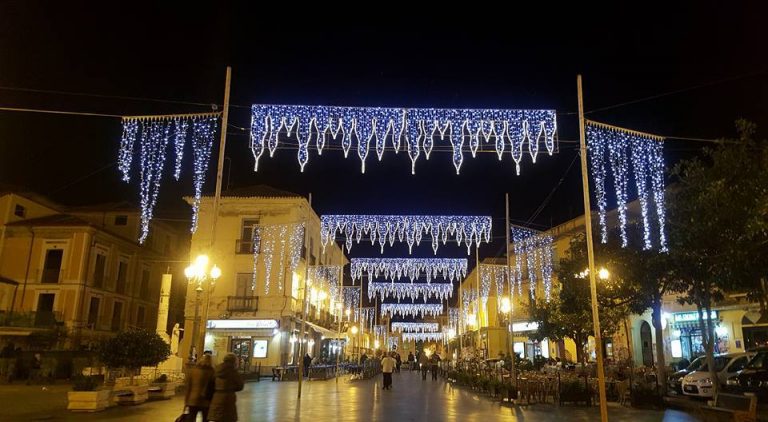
[242, 324]
[692, 316]
[525, 326]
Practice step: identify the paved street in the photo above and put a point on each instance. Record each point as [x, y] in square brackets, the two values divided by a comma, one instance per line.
[411, 399]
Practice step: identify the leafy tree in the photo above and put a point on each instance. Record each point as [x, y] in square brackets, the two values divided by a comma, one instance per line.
[133, 349]
[718, 231]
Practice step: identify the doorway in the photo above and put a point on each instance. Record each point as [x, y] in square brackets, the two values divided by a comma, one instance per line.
[647, 343]
[241, 348]
[44, 315]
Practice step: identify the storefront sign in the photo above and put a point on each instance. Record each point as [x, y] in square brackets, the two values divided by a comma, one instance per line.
[525, 326]
[692, 316]
[242, 324]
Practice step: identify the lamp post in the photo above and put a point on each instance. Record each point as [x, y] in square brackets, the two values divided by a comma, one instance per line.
[506, 310]
[198, 273]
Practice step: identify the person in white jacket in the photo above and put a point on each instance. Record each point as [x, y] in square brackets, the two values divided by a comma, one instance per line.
[387, 367]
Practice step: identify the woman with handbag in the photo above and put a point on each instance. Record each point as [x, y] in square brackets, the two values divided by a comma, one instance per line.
[200, 387]
[228, 382]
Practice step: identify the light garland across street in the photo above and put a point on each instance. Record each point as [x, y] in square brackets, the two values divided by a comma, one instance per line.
[411, 309]
[416, 327]
[412, 291]
[408, 337]
[450, 269]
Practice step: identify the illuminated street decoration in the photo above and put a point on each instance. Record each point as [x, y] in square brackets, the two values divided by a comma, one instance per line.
[351, 296]
[326, 277]
[409, 228]
[368, 316]
[493, 273]
[408, 337]
[279, 241]
[419, 128]
[619, 148]
[396, 268]
[536, 250]
[153, 134]
[453, 317]
[416, 327]
[410, 309]
[412, 291]
[469, 302]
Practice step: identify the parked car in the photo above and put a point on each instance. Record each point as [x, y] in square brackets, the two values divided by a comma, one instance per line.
[699, 382]
[675, 380]
[753, 378]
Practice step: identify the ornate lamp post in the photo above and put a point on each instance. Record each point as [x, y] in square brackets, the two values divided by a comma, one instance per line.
[198, 273]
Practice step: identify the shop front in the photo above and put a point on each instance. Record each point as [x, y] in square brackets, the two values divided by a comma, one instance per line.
[686, 336]
[255, 342]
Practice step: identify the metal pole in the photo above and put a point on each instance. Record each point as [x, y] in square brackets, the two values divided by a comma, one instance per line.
[477, 293]
[304, 293]
[512, 369]
[222, 149]
[195, 325]
[591, 256]
[461, 322]
[338, 320]
[360, 323]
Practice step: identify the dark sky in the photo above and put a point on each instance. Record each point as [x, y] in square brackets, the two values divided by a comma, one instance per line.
[487, 58]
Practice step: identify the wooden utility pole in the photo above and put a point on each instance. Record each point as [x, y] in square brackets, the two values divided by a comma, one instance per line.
[512, 371]
[591, 256]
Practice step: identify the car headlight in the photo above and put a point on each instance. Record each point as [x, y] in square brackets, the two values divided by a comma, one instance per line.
[705, 381]
[732, 381]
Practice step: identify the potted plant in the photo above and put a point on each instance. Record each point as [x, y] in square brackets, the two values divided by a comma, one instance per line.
[130, 350]
[85, 397]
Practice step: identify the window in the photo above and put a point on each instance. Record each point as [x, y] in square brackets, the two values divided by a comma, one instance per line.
[245, 245]
[144, 288]
[99, 269]
[121, 220]
[243, 285]
[140, 316]
[122, 273]
[93, 312]
[19, 211]
[738, 364]
[44, 316]
[117, 316]
[52, 265]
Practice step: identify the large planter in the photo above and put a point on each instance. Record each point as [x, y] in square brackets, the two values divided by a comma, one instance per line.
[88, 401]
[131, 394]
[162, 391]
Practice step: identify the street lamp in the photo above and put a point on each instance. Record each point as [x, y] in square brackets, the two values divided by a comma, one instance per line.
[506, 309]
[198, 273]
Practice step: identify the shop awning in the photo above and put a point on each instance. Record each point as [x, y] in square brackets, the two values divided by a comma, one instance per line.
[318, 329]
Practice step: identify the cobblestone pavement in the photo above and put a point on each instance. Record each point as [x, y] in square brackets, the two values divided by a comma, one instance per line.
[410, 399]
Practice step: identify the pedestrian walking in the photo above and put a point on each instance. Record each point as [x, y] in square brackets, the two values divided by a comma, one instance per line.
[34, 369]
[434, 365]
[398, 361]
[200, 388]
[411, 361]
[423, 365]
[227, 383]
[307, 363]
[387, 366]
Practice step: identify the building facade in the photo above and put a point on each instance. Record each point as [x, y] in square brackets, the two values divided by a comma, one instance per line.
[78, 275]
[255, 309]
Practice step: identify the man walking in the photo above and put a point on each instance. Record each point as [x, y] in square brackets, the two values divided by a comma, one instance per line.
[387, 366]
[423, 365]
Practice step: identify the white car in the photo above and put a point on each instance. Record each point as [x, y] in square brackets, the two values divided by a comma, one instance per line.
[699, 383]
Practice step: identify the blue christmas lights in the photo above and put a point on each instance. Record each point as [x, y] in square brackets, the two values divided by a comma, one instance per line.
[644, 152]
[412, 291]
[415, 327]
[395, 268]
[419, 128]
[388, 228]
[411, 309]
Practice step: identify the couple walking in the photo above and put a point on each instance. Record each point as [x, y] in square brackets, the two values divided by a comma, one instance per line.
[212, 392]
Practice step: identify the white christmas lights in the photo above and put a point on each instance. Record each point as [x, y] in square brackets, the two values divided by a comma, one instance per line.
[412, 291]
[496, 273]
[412, 309]
[416, 327]
[413, 337]
[272, 241]
[388, 228]
[419, 128]
[395, 268]
[351, 297]
[203, 131]
[154, 140]
[326, 277]
[536, 250]
[644, 152]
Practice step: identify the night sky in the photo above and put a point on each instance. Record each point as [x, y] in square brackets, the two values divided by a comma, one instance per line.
[483, 59]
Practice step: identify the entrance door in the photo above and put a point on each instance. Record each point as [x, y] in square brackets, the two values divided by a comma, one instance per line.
[646, 342]
[44, 315]
[241, 347]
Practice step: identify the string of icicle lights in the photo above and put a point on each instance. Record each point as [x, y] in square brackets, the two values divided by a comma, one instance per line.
[416, 327]
[368, 316]
[153, 134]
[412, 291]
[536, 251]
[379, 330]
[492, 275]
[412, 337]
[414, 129]
[326, 277]
[453, 317]
[411, 309]
[409, 228]
[621, 149]
[393, 342]
[280, 241]
[351, 296]
[396, 268]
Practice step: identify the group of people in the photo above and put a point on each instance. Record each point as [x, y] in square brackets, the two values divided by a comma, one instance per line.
[212, 391]
[391, 363]
[13, 365]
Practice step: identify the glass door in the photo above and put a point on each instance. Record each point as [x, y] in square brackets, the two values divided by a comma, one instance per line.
[241, 347]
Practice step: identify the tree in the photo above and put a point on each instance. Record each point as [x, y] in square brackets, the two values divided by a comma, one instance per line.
[718, 232]
[569, 312]
[133, 349]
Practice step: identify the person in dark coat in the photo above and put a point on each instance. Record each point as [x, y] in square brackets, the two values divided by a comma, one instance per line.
[227, 382]
[411, 361]
[434, 362]
[398, 361]
[423, 365]
[200, 387]
[307, 363]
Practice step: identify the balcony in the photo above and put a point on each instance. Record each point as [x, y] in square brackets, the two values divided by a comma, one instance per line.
[38, 319]
[243, 246]
[242, 303]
